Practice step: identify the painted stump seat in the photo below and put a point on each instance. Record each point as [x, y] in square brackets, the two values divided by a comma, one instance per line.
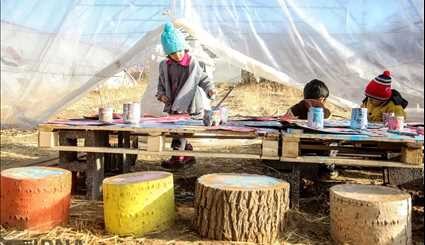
[138, 203]
[369, 214]
[35, 198]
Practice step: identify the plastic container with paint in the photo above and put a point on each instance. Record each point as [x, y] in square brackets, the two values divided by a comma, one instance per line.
[386, 116]
[359, 118]
[396, 123]
[315, 117]
[105, 114]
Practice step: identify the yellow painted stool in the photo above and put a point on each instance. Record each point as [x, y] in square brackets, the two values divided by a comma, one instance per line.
[138, 203]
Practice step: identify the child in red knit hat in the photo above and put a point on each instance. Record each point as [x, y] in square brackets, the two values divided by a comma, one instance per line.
[380, 98]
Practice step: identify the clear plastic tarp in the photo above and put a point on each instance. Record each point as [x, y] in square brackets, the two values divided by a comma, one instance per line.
[53, 52]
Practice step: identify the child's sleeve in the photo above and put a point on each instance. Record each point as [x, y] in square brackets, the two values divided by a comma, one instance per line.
[327, 112]
[399, 111]
[299, 110]
[161, 83]
[204, 81]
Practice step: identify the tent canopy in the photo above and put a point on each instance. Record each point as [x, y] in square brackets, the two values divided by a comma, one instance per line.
[52, 52]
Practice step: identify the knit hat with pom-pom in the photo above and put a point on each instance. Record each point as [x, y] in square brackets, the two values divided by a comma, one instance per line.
[379, 88]
[172, 39]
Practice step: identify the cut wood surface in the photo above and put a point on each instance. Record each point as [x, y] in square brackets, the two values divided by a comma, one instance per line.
[367, 214]
[240, 207]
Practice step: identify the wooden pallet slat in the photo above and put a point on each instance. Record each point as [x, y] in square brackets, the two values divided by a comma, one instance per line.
[412, 154]
[47, 139]
[290, 147]
[155, 143]
[270, 149]
[347, 162]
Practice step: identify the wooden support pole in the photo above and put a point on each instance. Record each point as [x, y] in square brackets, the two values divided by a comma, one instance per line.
[67, 138]
[155, 143]
[95, 164]
[48, 139]
[126, 157]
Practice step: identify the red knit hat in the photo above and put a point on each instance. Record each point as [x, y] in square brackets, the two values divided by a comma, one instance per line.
[379, 88]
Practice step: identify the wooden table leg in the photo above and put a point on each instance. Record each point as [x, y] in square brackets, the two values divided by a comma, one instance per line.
[135, 145]
[66, 139]
[292, 174]
[412, 179]
[125, 157]
[95, 164]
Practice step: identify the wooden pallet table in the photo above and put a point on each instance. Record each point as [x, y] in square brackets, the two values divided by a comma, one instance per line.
[392, 152]
[124, 142]
[359, 150]
[96, 142]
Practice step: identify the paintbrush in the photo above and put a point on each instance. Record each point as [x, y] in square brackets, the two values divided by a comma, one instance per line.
[225, 96]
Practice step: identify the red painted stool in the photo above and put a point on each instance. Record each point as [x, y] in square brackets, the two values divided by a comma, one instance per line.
[35, 198]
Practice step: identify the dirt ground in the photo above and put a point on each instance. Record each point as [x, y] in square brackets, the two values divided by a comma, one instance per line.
[307, 225]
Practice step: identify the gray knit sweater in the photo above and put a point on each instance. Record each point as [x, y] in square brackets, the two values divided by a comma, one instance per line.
[188, 99]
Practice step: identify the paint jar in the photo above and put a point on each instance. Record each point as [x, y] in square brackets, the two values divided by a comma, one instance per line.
[211, 118]
[386, 116]
[396, 123]
[400, 123]
[358, 118]
[224, 115]
[131, 113]
[315, 117]
[105, 114]
[125, 109]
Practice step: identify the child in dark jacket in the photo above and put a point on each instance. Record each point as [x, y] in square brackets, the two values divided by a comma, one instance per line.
[315, 94]
[182, 87]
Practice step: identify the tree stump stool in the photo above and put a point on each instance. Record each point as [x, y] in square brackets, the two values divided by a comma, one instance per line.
[240, 207]
[367, 214]
[35, 198]
[138, 203]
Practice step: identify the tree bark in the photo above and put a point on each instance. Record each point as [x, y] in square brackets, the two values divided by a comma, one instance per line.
[240, 211]
[365, 214]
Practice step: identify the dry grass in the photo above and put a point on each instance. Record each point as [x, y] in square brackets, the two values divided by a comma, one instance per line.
[102, 97]
[267, 99]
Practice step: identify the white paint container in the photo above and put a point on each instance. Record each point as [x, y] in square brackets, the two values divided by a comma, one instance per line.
[105, 114]
[224, 115]
[315, 117]
[131, 113]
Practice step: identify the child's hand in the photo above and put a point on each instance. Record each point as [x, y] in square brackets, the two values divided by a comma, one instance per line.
[164, 99]
[211, 93]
